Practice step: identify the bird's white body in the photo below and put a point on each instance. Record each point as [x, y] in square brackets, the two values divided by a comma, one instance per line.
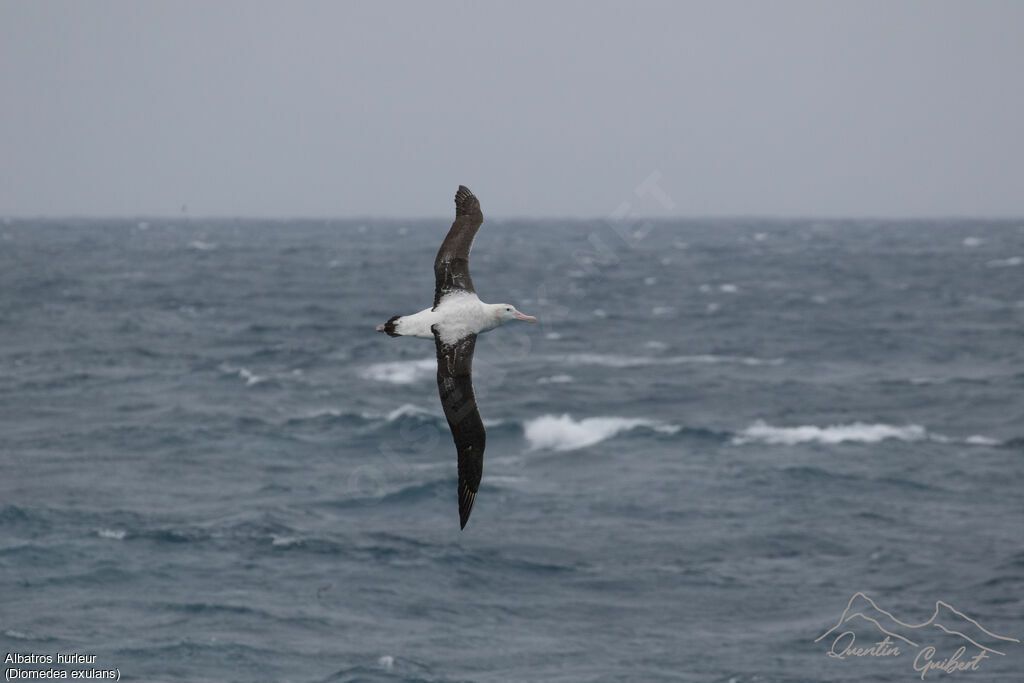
[458, 315]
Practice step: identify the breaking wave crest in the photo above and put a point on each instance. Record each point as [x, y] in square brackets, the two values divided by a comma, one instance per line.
[408, 410]
[400, 371]
[562, 433]
[856, 432]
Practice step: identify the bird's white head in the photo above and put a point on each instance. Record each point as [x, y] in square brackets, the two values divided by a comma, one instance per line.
[505, 312]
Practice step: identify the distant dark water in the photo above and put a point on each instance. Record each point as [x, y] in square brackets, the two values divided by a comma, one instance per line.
[213, 469]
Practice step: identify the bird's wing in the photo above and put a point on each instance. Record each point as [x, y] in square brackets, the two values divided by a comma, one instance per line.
[451, 267]
[455, 383]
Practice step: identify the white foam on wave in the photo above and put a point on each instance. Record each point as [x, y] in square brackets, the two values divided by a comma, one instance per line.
[972, 242]
[400, 371]
[509, 481]
[406, 410]
[562, 433]
[555, 379]
[113, 534]
[615, 361]
[249, 376]
[325, 412]
[200, 245]
[1005, 262]
[856, 432]
[860, 432]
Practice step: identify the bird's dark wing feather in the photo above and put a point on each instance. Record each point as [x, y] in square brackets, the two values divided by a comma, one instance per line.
[455, 383]
[451, 267]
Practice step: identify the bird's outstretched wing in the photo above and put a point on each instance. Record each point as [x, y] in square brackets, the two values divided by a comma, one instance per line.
[455, 383]
[451, 267]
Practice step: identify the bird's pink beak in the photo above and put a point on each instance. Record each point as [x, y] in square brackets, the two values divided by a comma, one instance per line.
[527, 318]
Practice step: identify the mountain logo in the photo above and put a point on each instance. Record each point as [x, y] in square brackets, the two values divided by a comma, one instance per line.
[863, 616]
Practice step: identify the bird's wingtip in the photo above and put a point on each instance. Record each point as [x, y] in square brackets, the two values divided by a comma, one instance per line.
[465, 201]
[466, 500]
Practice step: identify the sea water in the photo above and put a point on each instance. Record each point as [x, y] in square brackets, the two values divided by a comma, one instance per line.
[212, 468]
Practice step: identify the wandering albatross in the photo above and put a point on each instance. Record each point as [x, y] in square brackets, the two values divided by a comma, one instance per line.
[454, 322]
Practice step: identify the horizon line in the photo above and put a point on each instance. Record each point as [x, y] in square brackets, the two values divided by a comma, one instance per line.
[632, 219]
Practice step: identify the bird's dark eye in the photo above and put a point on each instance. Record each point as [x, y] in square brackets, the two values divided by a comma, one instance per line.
[509, 310]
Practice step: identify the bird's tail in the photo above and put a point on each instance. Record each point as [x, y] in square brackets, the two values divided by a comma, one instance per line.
[388, 328]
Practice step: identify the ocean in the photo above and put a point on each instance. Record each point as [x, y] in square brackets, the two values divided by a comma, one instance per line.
[720, 435]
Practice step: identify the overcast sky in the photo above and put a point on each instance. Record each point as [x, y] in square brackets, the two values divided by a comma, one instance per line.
[544, 109]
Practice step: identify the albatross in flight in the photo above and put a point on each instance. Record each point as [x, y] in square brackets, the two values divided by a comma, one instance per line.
[453, 322]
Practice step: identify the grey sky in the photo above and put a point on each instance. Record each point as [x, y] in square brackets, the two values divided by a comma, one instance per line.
[556, 108]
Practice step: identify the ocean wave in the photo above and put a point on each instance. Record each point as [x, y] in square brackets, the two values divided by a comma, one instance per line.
[980, 440]
[408, 410]
[616, 361]
[856, 432]
[508, 481]
[1005, 262]
[562, 433]
[175, 535]
[318, 546]
[403, 416]
[327, 415]
[113, 534]
[284, 541]
[17, 635]
[386, 666]
[418, 491]
[547, 431]
[555, 379]
[375, 488]
[860, 432]
[13, 513]
[400, 371]
[250, 377]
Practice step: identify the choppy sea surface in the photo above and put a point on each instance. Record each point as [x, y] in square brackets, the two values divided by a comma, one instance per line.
[212, 468]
